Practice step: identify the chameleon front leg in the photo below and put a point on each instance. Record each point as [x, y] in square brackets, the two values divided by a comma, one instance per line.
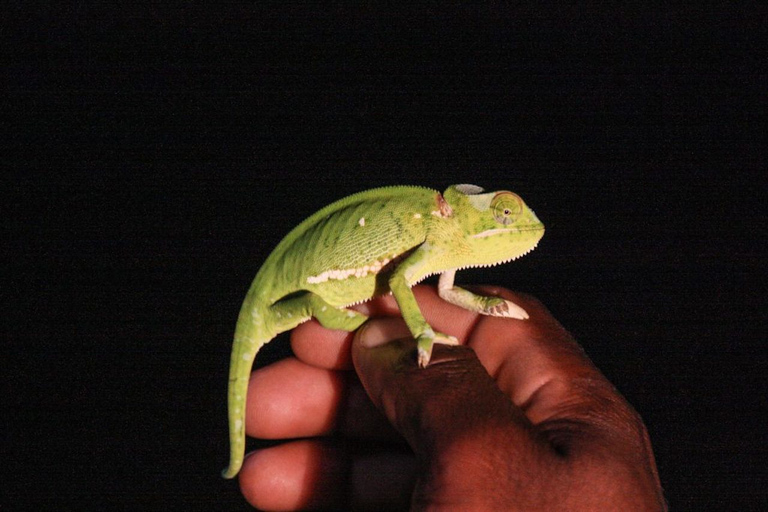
[492, 306]
[410, 271]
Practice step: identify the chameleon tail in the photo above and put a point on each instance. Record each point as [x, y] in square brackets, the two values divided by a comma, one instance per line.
[250, 336]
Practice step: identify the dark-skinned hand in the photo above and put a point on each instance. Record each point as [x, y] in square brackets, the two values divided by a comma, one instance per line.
[515, 418]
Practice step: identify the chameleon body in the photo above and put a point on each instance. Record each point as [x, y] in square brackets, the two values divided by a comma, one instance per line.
[367, 244]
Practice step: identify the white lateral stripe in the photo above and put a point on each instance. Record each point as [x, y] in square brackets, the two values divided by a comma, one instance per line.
[340, 274]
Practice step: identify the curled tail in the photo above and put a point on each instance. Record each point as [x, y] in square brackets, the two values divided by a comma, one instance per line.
[250, 335]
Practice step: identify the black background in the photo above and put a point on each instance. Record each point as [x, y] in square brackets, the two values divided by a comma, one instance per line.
[153, 157]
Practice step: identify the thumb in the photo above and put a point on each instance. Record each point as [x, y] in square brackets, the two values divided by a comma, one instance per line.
[451, 403]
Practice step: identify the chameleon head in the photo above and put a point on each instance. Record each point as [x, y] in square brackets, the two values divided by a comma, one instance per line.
[496, 226]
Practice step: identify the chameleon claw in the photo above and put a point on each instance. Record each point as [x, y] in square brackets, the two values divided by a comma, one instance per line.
[424, 346]
[423, 357]
[506, 309]
[445, 339]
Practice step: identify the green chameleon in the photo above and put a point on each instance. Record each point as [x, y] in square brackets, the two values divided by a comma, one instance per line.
[367, 244]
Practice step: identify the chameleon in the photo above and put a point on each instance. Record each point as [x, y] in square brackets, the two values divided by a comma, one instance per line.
[368, 244]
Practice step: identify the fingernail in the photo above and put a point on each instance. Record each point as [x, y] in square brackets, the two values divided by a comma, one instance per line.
[369, 336]
[379, 332]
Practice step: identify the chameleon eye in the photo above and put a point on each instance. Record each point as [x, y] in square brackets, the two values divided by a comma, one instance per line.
[506, 207]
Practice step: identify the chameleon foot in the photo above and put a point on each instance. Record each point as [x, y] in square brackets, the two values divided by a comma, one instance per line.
[491, 306]
[504, 308]
[425, 342]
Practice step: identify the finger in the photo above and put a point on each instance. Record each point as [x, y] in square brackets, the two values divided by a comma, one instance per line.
[290, 399]
[321, 347]
[312, 474]
[300, 475]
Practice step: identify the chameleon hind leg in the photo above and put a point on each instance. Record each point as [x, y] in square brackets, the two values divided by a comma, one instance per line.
[332, 317]
[292, 311]
[492, 306]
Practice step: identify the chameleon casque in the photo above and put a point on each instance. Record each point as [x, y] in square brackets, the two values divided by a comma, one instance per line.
[367, 244]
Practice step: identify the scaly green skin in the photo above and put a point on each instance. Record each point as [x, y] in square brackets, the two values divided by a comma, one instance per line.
[367, 244]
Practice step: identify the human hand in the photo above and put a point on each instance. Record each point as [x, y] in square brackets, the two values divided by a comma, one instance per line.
[523, 421]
